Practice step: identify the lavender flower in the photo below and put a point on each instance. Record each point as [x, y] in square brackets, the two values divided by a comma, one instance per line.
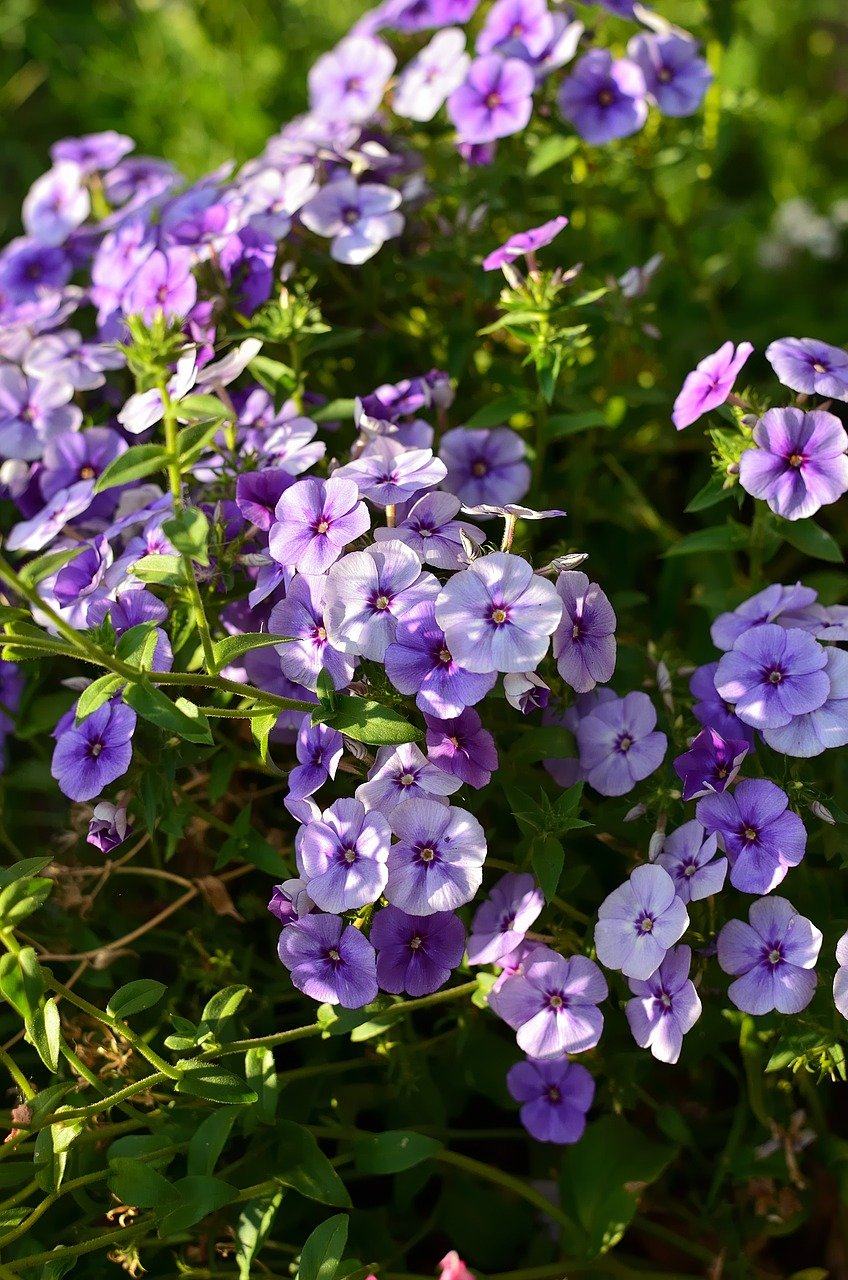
[526, 692]
[357, 219]
[258, 492]
[342, 856]
[90, 755]
[772, 675]
[712, 711]
[315, 521]
[61, 509]
[638, 923]
[418, 662]
[402, 773]
[786, 606]
[93, 151]
[33, 412]
[388, 473]
[761, 835]
[619, 744]
[431, 77]
[498, 615]
[584, 643]
[675, 76]
[415, 954]
[300, 616]
[688, 854]
[501, 922]
[163, 285]
[555, 1097]
[56, 204]
[710, 764]
[826, 727]
[79, 455]
[462, 748]
[528, 23]
[437, 864]
[329, 961]
[524, 243]
[348, 83]
[772, 958]
[290, 900]
[665, 1008]
[840, 981]
[810, 366]
[319, 751]
[29, 269]
[799, 462]
[604, 98]
[553, 1005]
[431, 530]
[710, 383]
[494, 101]
[368, 591]
[485, 465]
[108, 827]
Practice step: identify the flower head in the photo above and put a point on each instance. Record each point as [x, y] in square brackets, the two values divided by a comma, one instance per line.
[501, 922]
[462, 747]
[437, 864]
[524, 243]
[584, 641]
[676, 77]
[485, 465]
[773, 674]
[329, 960]
[710, 764]
[342, 856]
[712, 711]
[710, 383]
[810, 366]
[826, 727]
[665, 1007]
[555, 1096]
[433, 74]
[553, 1005]
[387, 473]
[56, 204]
[494, 100]
[308, 652]
[348, 83]
[91, 754]
[772, 958]
[639, 921]
[431, 530]
[358, 219]
[415, 954]
[604, 98]
[108, 827]
[761, 835]
[368, 591]
[619, 744]
[314, 522]
[688, 854]
[799, 463]
[418, 662]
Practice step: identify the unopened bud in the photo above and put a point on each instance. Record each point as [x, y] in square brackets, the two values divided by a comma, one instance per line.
[638, 811]
[821, 811]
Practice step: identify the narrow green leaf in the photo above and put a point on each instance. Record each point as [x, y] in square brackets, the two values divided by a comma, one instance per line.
[255, 1221]
[370, 722]
[394, 1151]
[98, 692]
[232, 647]
[134, 997]
[165, 569]
[714, 491]
[207, 1141]
[215, 1085]
[189, 533]
[44, 1030]
[139, 461]
[322, 1253]
[547, 857]
[720, 537]
[302, 1165]
[811, 538]
[498, 411]
[181, 717]
[551, 151]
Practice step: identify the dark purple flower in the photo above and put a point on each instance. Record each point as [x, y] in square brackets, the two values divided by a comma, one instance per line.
[319, 751]
[163, 285]
[761, 835]
[418, 662]
[526, 22]
[432, 531]
[710, 764]
[108, 826]
[415, 954]
[437, 864]
[820, 730]
[639, 921]
[401, 773]
[584, 641]
[290, 900]
[666, 1006]
[462, 747]
[347, 84]
[526, 691]
[368, 591]
[258, 492]
[90, 755]
[494, 101]
[29, 269]
[329, 960]
[555, 1096]
[712, 711]
[799, 462]
[772, 957]
[604, 98]
[342, 856]
[524, 243]
[688, 855]
[79, 455]
[501, 922]
[553, 1005]
[619, 744]
[315, 521]
[80, 579]
[710, 383]
[485, 465]
[675, 76]
[300, 617]
[810, 366]
[772, 675]
[93, 151]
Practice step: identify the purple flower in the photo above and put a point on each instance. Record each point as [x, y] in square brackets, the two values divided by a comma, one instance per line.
[485, 465]
[56, 204]
[619, 744]
[319, 751]
[840, 981]
[772, 675]
[501, 922]
[258, 492]
[498, 614]
[300, 616]
[163, 285]
[65, 355]
[428, 80]
[761, 835]
[462, 747]
[93, 151]
[401, 773]
[33, 412]
[108, 826]
[315, 521]
[64, 506]
[584, 641]
[665, 1008]
[290, 900]
[329, 961]
[78, 455]
[90, 755]
[820, 730]
[80, 579]
[772, 958]
[388, 473]
[688, 855]
[430, 529]
[509, 22]
[524, 243]
[710, 383]
[712, 711]
[555, 1096]
[799, 463]
[710, 764]
[415, 954]
[357, 219]
[29, 269]
[639, 921]
[494, 101]
[368, 591]
[787, 606]
[553, 1005]
[604, 98]
[810, 366]
[437, 864]
[526, 692]
[348, 83]
[342, 856]
[675, 76]
[419, 662]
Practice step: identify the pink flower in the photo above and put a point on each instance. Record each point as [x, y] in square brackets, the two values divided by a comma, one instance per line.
[452, 1267]
[709, 384]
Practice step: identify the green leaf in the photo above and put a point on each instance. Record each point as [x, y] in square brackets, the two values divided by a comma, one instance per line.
[811, 538]
[167, 570]
[498, 411]
[245, 844]
[215, 1085]
[322, 1253]
[720, 537]
[255, 1221]
[302, 1165]
[336, 410]
[51, 562]
[261, 1072]
[232, 647]
[260, 728]
[181, 717]
[549, 743]
[19, 899]
[135, 997]
[191, 441]
[370, 722]
[138, 644]
[601, 1180]
[202, 409]
[394, 1151]
[223, 1005]
[21, 983]
[137, 1183]
[207, 1141]
[561, 425]
[23, 870]
[98, 692]
[547, 858]
[551, 151]
[44, 1030]
[189, 533]
[715, 490]
[50, 1155]
[139, 461]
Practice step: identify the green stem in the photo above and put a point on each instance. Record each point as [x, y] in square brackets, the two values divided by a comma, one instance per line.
[488, 1173]
[17, 1075]
[116, 1024]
